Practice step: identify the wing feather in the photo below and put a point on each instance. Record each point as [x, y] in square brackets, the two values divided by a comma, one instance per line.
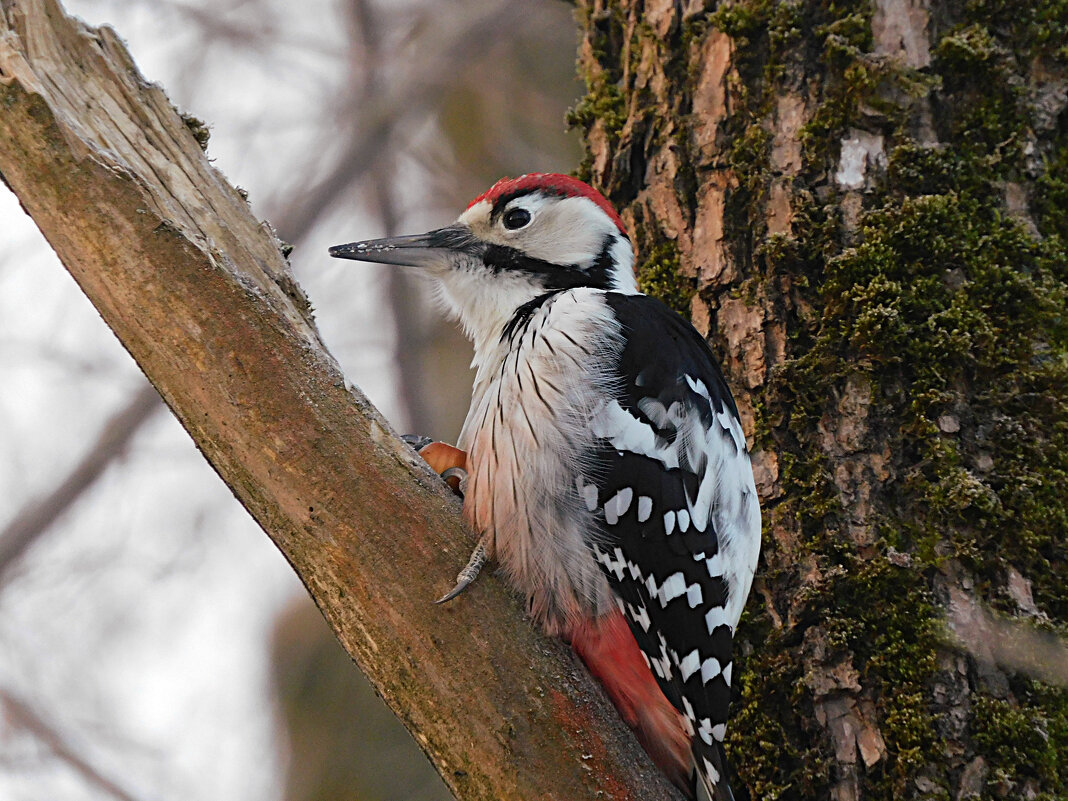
[678, 520]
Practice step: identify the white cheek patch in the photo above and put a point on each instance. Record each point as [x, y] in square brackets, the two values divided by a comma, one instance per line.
[566, 231]
[563, 231]
[570, 230]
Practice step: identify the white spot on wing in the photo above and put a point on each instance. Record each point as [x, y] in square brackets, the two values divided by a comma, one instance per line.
[669, 522]
[628, 433]
[719, 731]
[699, 516]
[612, 565]
[709, 669]
[661, 665]
[664, 662]
[733, 427]
[715, 565]
[715, 618]
[698, 386]
[689, 665]
[641, 617]
[687, 710]
[610, 516]
[589, 495]
[684, 520]
[705, 730]
[645, 508]
[673, 586]
[688, 716]
[694, 596]
[618, 505]
[710, 771]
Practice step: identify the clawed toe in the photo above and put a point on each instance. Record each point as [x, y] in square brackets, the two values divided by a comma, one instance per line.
[468, 575]
[445, 460]
[450, 463]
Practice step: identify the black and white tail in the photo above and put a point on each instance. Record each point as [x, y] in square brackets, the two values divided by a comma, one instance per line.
[710, 773]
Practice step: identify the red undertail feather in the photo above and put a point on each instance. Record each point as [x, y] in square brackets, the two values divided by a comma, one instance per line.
[613, 657]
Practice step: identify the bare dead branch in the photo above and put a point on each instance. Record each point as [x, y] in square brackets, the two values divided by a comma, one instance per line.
[383, 108]
[198, 293]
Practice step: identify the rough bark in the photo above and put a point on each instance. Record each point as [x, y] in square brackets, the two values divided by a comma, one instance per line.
[198, 293]
[863, 206]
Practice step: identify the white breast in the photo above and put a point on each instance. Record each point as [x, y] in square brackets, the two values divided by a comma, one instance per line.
[533, 399]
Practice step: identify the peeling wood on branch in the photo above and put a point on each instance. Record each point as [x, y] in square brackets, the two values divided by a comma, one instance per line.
[197, 291]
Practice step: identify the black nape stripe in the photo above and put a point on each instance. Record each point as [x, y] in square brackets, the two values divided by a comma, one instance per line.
[553, 276]
[602, 269]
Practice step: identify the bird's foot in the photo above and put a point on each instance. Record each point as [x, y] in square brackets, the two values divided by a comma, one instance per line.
[467, 576]
[448, 462]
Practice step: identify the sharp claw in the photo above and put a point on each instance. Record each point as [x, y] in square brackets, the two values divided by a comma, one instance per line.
[461, 479]
[459, 588]
[468, 575]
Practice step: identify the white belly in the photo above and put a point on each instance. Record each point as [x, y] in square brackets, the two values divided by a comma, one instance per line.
[525, 434]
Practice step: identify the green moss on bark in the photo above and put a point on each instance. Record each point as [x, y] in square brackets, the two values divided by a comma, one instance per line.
[604, 102]
[659, 276]
[1051, 195]
[948, 312]
[1024, 742]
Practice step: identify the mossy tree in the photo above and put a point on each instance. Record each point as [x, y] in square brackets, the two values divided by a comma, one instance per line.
[862, 204]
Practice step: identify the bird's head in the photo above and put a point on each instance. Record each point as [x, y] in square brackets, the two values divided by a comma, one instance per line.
[522, 238]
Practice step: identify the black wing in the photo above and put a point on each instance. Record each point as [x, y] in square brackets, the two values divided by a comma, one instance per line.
[673, 486]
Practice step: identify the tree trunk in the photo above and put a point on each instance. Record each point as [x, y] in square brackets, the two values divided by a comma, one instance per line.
[864, 207]
[199, 294]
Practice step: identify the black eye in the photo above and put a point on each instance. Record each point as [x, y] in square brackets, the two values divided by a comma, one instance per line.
[516, 218]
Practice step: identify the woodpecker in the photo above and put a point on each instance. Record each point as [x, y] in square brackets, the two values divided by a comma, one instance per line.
[607, 470]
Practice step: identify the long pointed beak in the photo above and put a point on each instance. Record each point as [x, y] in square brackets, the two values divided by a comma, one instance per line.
[419, 250]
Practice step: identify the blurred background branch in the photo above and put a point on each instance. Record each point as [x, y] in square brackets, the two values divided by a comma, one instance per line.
[19, 713]
[1015, 645]
[320, 79]
[35, 518]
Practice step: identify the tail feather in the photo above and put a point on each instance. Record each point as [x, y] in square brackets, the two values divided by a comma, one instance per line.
[710, 773]
[609, 649]
[610, 652]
